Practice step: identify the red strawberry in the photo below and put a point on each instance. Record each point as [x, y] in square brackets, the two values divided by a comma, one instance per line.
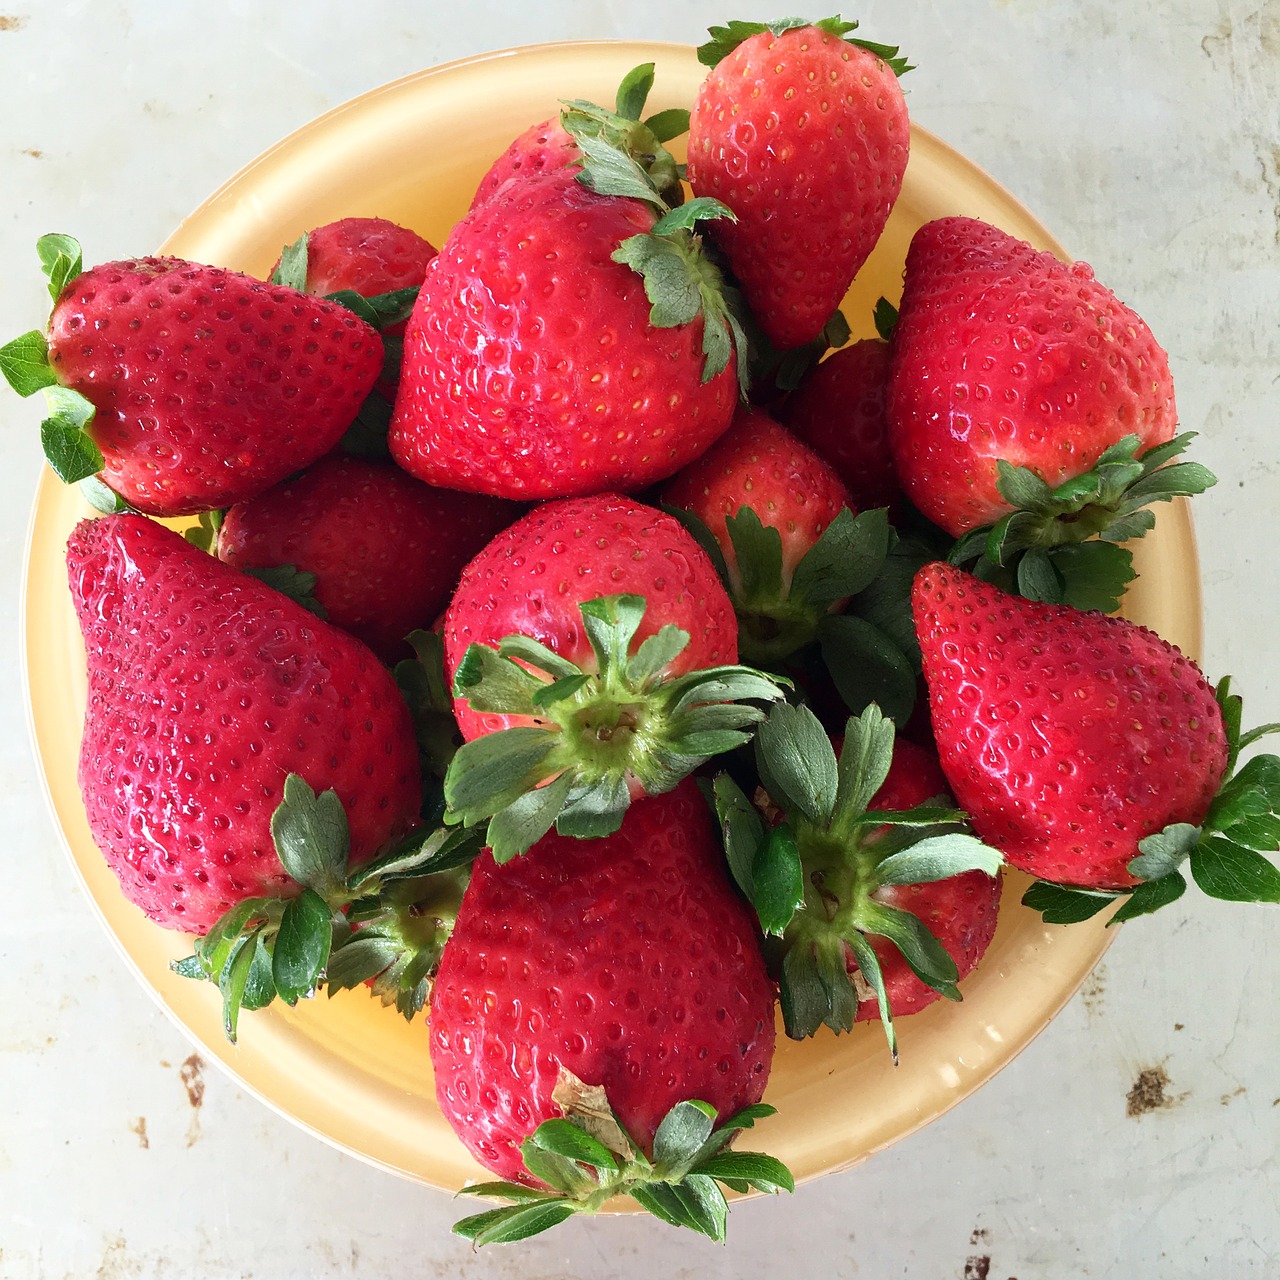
[531, 366]
[610, 621]
[876, 919]
[804, 135]
[628, 962]
[760, 474]
[385, 549]
[368, 256]
[838, 411]
[200, 386]
[206, 689]
[1023, 393]
[549, 147]
[1067, 737]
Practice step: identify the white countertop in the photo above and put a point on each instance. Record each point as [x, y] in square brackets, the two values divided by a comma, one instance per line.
[1147, 138]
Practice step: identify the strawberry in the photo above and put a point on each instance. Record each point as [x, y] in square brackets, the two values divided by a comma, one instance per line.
[385, 550]
[1091, 751]
[550, 147]
[620, 980]
[766, 501]
[1029, 409]
[804, 135]
[185, 387]
[590, 648]
[366, 256]
[206, 689]
[535, 364]
[838, 411]
[881, 899]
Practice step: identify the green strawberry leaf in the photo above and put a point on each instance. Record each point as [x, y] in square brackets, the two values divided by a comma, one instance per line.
[566, 1139]
[777, 879]
[24, 362]
[797, 762]
[61, 260]
[634, 91]
[839, 993]
[102, 497]
[885, 318]
[867, 666]
[846, 559]
[724, 40]
[939, 858]
[302, 946]
[1061, 904]
[802, 997]
[1094, 574]
[68, 447]
[366, 437]
[873, 975]
[1164, 852]
[232, 983]
[742, 830]
[758, 551]
[311, 837]
[292, 271]
[1150, 896]
[928, 959]
[1226, 870]
[260, 985]
[298, 584]
[512, 1223]
[665, 125]
[865, 760]
[681, 1135]
[686, 216]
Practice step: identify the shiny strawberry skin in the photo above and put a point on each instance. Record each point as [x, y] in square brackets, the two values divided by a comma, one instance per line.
[207, 688]
[369, 256]
[1005, 352]
[838, 411]
[759, 464]
[545, 147]
[629, 960]
[1067, 737]
[208, 386]
[530, 366]
[960, 911]
[386, 549]
[532, 577]
[805, 137]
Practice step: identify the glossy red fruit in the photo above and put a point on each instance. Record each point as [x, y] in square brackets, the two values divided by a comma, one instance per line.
[804, 135]
[1067, 737]
[368, 256]
[1005, 352]
[759, 464]
[960, 911]
[531, 369]
[208, 386]
[385, 548]
[531, 579]
[545, 147]
[206, 689]
[629, 960]
[838, 411]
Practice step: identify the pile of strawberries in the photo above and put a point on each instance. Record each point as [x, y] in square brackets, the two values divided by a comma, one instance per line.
[572, 588]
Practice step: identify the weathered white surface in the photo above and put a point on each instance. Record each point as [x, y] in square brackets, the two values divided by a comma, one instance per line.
[1147, 137]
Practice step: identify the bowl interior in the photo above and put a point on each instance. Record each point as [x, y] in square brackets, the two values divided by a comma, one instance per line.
[350, 1071]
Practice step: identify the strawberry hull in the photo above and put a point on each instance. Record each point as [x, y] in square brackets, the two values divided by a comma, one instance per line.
[206, 689]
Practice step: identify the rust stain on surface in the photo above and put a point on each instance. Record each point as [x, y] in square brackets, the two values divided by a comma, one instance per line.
[140, 1128]
[191, 1074]
[12, 22]
[1148, 1092]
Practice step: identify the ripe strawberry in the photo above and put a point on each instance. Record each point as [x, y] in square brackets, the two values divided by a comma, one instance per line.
[385, 549]
[535, 365]
[1086, 747]
[838, 411]
[767, 500]
[550, 147]
[186, 387]
[876, 918]
[1023, 392]
[368, 256]
[804, 135]
[588, 647]
[625, 967]
[206, 689]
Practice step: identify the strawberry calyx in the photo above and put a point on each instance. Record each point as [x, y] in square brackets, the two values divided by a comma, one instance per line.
[385, 921]
[1229, 854]
[586, 1157]
[813, 878]
[619, 726]
[681, 281]
[1061, 545]
[781, 608]
[724, 40]
[68, 447]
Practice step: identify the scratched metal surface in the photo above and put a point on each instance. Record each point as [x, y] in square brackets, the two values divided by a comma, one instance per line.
[1139, 1134]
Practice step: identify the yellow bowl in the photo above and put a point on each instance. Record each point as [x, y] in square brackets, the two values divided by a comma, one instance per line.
[350, 1071]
